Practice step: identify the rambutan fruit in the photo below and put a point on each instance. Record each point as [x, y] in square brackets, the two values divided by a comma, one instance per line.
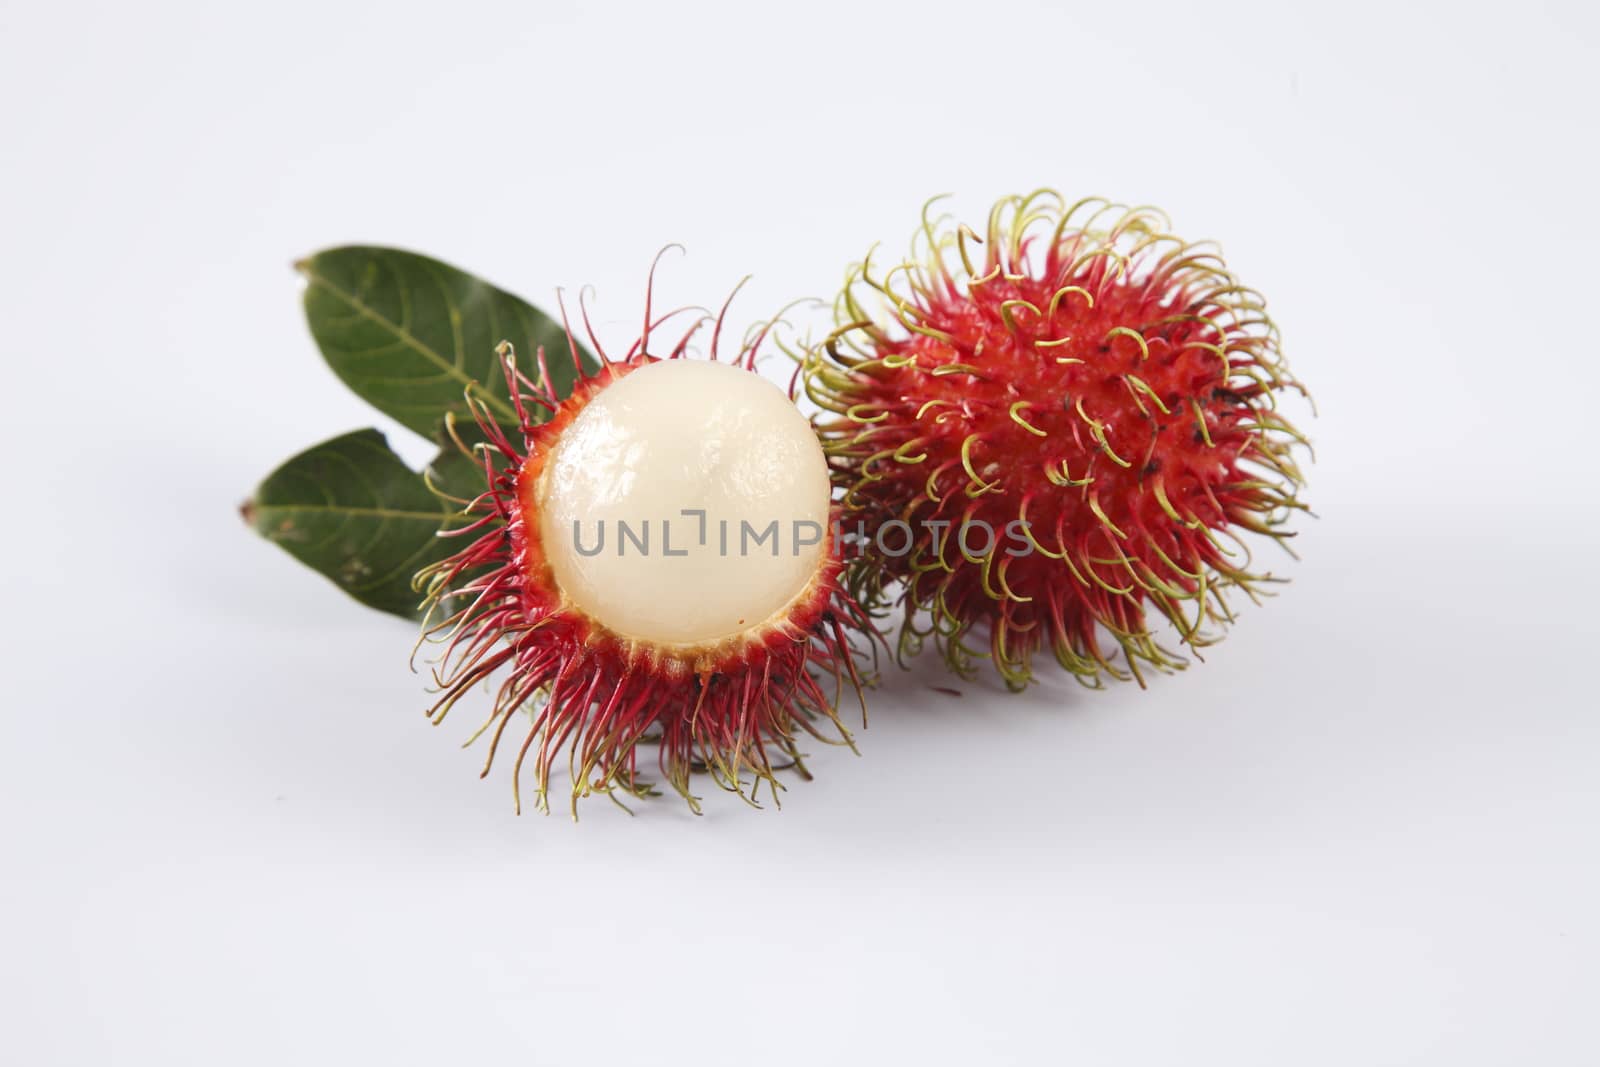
[1058, 442]
[653, 566]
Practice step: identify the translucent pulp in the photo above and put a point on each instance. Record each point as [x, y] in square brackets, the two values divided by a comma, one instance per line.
[685, 504]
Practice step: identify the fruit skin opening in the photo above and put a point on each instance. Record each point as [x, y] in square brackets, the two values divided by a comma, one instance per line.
[1083, 371]
[685, 505]
[604, 704]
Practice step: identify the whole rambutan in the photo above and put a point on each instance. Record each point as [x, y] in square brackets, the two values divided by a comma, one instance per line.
[1051, 432]
[653, 567]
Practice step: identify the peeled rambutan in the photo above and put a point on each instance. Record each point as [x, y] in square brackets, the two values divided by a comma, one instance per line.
[1091, 402]
[652, 568]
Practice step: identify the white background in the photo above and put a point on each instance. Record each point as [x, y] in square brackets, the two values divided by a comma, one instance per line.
[1363, 832]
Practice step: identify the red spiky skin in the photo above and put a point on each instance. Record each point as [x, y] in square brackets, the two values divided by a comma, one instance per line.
[1106, 383]
[733, 708]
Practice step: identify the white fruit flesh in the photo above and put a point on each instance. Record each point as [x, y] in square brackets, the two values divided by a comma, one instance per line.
[685, 435]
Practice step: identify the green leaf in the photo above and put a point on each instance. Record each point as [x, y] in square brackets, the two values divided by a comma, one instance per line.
[352, 510]
[409, 334]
